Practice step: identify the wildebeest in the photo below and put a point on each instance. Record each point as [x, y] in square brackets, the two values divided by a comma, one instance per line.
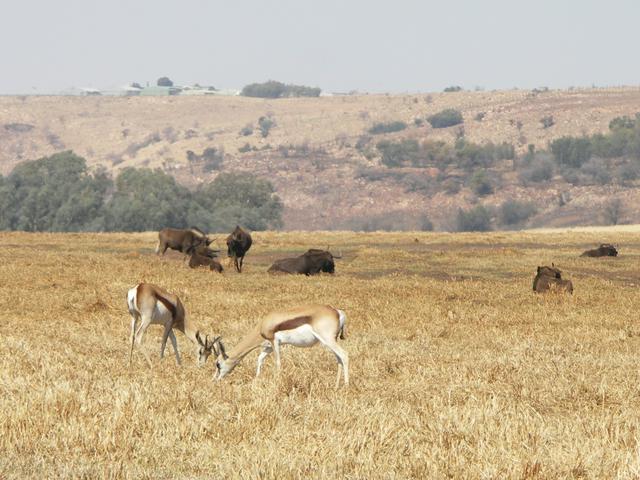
[604, 250]
[182, 240]
[311, 262]
[238, 244]
[196, 260]
[550, 278]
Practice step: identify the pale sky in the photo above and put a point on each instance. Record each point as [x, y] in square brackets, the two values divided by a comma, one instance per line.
[369, 46]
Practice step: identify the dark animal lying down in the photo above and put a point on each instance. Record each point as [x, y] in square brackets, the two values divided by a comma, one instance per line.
[313, 261]
[604, 250]
[202, 261]
[550, 279]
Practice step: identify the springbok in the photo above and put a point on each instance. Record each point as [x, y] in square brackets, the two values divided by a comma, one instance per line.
[150, 304]
[302, 326]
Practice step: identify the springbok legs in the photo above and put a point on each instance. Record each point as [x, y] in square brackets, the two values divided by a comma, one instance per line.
[341, 356]
[168, 333]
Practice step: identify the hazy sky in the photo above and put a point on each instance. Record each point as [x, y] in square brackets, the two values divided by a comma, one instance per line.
[399, 46]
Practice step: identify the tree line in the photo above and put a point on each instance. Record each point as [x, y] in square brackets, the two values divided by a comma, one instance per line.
[60, 194]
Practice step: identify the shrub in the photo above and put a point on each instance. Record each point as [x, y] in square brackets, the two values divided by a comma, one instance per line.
[571, 151]
[211, 157]
[513, 212]
[245, 148]
[453, 88]
[480, 116]
[480, 183]
[18, 127]
[445, 118]
[133, 149]
[418, 122]
[547, 121]
[247, 130]
[539, 170]
[164, 82]
[425, 224]
[388, 127]
[627, 173]
[398, 154]
[273, 89]
[612, 211]
[596, 171]
[622, 122]
[477, 219]
[451, 186]
[362, 142]
[265, 124]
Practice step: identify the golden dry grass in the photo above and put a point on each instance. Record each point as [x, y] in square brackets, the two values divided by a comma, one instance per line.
[458, 370]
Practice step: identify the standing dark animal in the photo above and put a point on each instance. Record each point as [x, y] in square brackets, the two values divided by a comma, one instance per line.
[550, 278]
[604, 250]
[238, 244]
[311, 262]
[181, 240]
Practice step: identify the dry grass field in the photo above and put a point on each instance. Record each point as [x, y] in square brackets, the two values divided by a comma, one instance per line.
[458, 370]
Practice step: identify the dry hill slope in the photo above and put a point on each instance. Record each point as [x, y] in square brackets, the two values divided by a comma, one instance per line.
[318, 179]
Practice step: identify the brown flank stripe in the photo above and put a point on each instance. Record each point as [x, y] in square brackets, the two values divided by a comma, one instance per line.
[293, 323]
[170, 306]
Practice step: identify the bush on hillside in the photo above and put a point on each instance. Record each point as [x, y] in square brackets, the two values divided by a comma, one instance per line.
[571, 151]
[398, 154]
[480, 183]
[513, 212]
[538, 169]
[389, 127]
[477, 219]
[265, 124]
[445, 118]
[274, 89]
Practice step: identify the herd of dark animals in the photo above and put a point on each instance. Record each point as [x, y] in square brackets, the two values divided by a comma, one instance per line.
[195, 244]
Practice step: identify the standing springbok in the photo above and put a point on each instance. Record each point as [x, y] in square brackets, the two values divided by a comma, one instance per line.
[150, 304]
[302, 326]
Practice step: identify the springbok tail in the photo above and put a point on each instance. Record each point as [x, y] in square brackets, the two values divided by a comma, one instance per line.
[131, 300]
[343, 321]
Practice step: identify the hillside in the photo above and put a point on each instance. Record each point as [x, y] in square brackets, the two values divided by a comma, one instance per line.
[312, 153]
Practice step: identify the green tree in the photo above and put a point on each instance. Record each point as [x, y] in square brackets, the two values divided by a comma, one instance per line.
[571, 151]
[55, 193]
[477, 219]
[147, 200]
[238, 199]
[164, 82]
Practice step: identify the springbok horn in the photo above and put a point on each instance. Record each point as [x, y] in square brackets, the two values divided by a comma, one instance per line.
[222, 351]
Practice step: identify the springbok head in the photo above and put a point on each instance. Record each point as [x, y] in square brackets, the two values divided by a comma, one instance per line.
[223, 365]
[205, 348]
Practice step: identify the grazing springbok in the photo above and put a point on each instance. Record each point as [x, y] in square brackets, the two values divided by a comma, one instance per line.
[302, 326]
[150, 304]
